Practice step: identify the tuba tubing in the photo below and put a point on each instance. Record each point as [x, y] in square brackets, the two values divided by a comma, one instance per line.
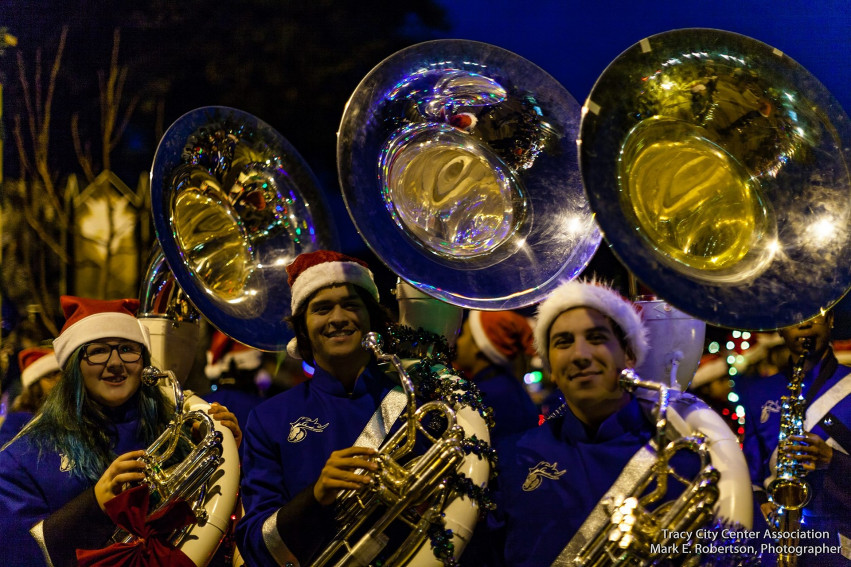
[202, 539]
[221, 504]
[462, 513]
[419, 310]
[735, 498]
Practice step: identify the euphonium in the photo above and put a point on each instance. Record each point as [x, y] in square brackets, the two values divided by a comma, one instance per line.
[415, 494]
[789, 491]
[641, 527]
[212, 460]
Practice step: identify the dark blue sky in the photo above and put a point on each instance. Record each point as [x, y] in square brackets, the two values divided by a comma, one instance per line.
[574, 40]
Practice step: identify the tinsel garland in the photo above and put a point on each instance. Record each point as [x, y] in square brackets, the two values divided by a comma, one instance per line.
[434, 381]
[406, 342]
[441, 542]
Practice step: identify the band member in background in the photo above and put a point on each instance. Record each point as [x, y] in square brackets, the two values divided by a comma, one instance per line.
[39, 374]
[83, 446]
[822, 450]
[299, 449]
[234, 369]
[490, 344]
[552, 477]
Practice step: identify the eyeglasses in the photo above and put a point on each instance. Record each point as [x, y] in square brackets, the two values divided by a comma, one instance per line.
[99, 353]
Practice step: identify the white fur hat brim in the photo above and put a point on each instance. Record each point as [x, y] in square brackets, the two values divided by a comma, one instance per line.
[45, 365]
[596, 296]
[97, 327]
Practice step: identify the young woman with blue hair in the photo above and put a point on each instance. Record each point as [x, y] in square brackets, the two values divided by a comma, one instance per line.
[83, 448]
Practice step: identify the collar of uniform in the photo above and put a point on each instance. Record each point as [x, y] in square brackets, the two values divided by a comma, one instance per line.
[628, 418]
[369, 379]
[126, 412]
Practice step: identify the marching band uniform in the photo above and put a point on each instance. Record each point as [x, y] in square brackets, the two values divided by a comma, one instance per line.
[513, 409]
[830, 507]
[289, 437]
[40, 490]
[551, 477]
[52, 479]
[494, 339]
[35, 363]
[234, 367]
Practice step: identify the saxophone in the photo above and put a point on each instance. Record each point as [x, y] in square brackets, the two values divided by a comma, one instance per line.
[789, 491]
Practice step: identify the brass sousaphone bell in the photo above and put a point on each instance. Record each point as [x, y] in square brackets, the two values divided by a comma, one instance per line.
[718, 169]
[458, 165]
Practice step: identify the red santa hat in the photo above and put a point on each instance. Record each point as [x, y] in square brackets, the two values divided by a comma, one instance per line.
[597, 296]
[313, 271]
[88, 320]
[501, 335]
[36, 362]
[224, 350]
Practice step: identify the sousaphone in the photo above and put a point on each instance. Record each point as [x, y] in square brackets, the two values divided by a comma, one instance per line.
[718, 168]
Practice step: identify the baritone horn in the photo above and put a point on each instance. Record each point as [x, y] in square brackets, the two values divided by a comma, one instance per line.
[718, 168]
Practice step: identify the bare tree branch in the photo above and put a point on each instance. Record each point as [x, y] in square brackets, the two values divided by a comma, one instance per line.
[84, 155]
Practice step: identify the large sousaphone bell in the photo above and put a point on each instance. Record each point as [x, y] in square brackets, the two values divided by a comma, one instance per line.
[233, 204]
[718, 169]
[457, 162]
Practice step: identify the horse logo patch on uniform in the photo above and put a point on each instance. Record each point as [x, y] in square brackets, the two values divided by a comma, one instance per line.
[300, 427]
[539, 472]
[769, 407]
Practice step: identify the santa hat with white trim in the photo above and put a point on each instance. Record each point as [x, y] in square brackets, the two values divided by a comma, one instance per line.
[501, 335]
[313, 271]
[35, 363]
[88, 320]
[597, 296]
[224, 350]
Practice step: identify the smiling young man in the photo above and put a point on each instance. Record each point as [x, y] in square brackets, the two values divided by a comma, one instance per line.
[307, 444]
[553, 476]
